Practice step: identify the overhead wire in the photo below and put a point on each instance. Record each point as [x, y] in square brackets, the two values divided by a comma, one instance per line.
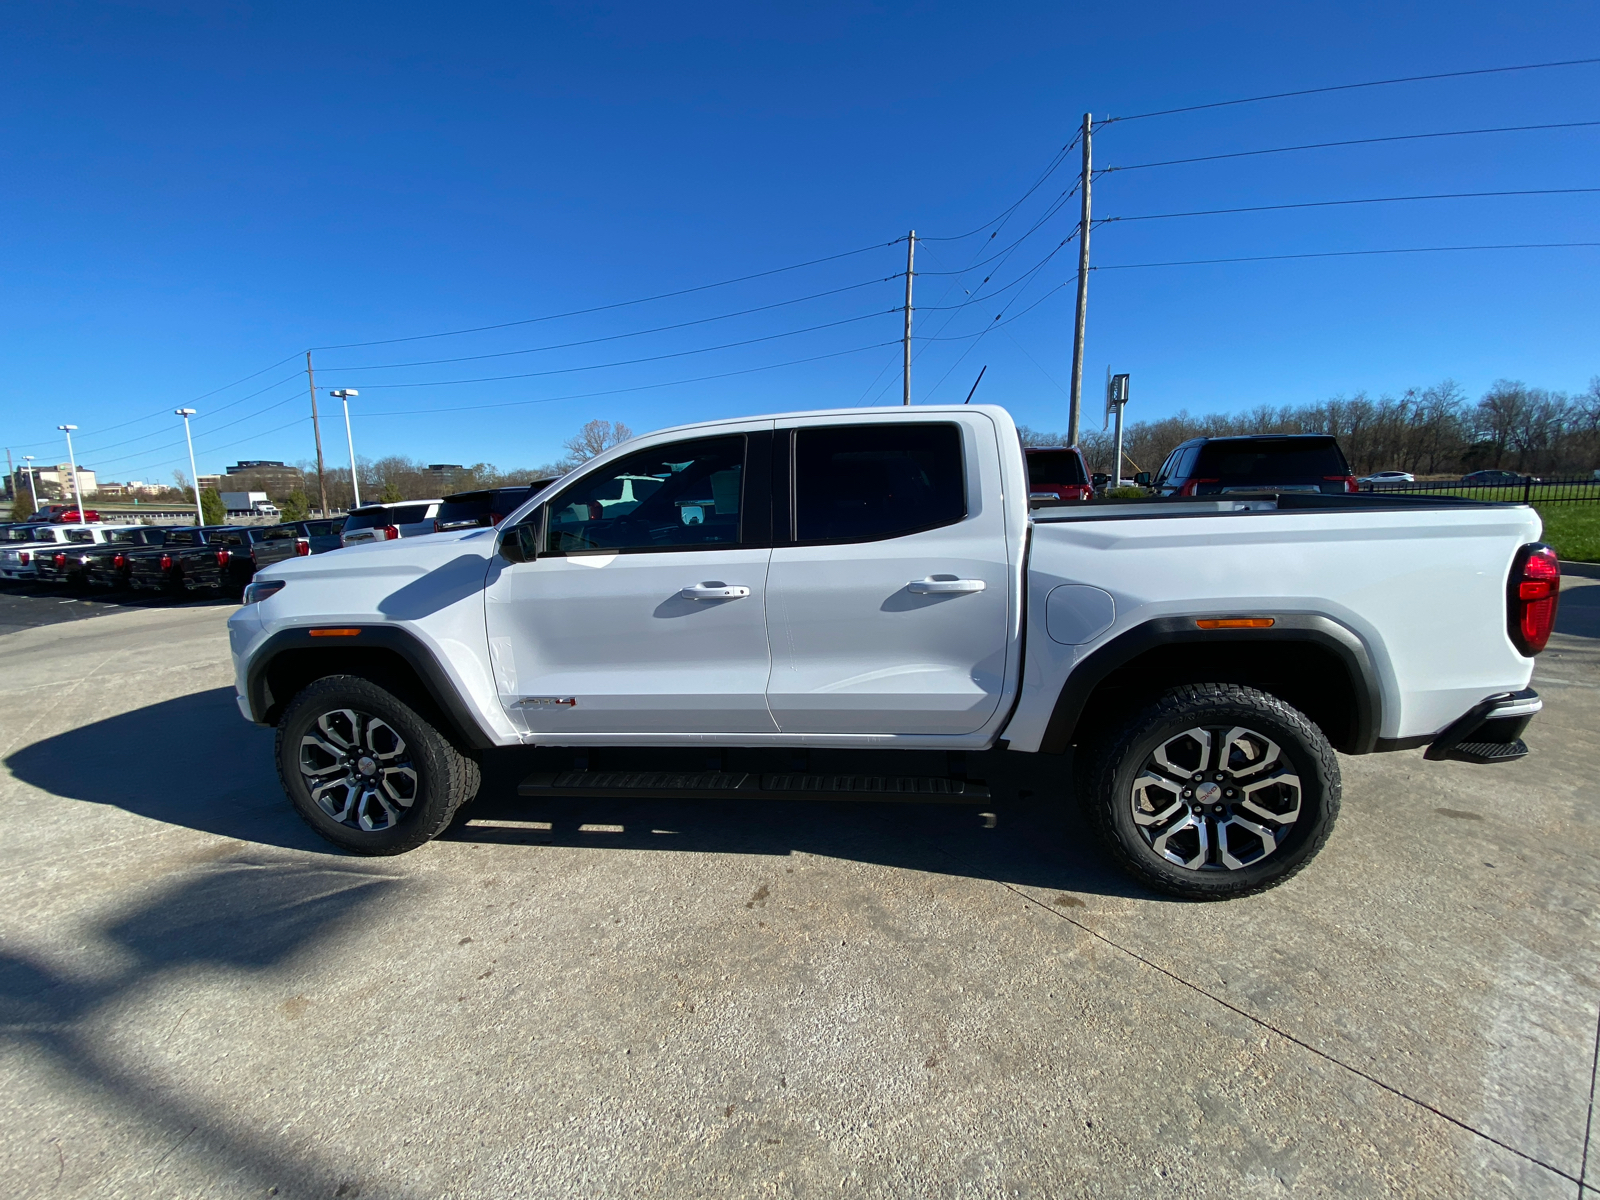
[1197, 262]
[1346, 87]
[1050, 169]
[1403, 137]
[1213, 212]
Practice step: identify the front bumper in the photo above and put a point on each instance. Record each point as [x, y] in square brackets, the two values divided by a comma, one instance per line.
[1490, 732]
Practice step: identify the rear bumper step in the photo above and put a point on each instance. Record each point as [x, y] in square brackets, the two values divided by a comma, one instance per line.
[735, 785]
[1490, 732]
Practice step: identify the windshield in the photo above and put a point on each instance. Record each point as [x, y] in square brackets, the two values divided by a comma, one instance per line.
[80, 535]
[1267, 461]
[1047, 467]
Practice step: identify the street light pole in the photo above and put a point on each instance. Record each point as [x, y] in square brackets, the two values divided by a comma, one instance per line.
[33, 488]
[72, 462]
[344, 395]
[194, 475]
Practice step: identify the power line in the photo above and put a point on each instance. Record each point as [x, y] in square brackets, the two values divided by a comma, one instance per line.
[97, 451]
[1345, 87]
[1212, 212]
[613, 337]
[1196, 262]
[643, 387]
[619, 304]
[635, 361]
[1404, 137]
[1050, 170]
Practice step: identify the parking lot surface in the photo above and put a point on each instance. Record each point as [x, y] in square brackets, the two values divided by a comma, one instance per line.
[693, 999]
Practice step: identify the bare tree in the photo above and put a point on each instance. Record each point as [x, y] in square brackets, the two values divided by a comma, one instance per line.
[596, 437]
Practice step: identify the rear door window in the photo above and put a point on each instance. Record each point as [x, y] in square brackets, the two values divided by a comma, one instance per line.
[408, 514]
[859, 483]
[678, 496]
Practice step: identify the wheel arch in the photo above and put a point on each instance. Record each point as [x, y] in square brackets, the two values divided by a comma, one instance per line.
[291, 659]
[1312, 662]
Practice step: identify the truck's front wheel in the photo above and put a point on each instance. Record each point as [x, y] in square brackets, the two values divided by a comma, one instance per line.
[1216, 791]
[366, 771]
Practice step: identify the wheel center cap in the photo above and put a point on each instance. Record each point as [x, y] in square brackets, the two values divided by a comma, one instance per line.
[1206, 793]
[369, 766]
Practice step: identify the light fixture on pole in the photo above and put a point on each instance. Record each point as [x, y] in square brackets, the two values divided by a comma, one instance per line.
[72, 462]
[194, 475]
[33, 488]
[344, 395]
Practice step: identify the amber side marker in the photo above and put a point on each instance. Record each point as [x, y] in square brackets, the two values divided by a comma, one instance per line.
[1235, 623]
[354, 632]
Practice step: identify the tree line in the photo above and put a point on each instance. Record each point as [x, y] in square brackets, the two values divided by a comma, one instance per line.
[1428, 431]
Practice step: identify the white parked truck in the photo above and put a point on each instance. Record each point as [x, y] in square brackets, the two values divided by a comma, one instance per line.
[874, 578]
[252, 504]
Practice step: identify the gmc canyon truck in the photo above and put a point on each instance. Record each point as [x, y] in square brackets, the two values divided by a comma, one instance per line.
[873, 578]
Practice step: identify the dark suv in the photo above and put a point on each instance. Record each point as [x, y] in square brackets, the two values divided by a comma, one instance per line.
[470, 510]
[1270, 462]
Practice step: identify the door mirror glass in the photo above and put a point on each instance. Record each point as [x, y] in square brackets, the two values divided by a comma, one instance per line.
[1142, 479]
[520, 543]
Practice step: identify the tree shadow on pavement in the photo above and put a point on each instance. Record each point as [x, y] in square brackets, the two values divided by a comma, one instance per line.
[216, 775]
[244, 916]
[1578, 611]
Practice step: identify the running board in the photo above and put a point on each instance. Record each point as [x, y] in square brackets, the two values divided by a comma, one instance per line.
[734, 785]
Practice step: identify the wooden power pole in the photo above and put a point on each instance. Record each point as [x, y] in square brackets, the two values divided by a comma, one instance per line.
[1076, 406]
[316, 428]
[911, 258]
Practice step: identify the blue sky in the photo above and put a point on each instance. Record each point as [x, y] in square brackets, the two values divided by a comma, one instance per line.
[192, 192]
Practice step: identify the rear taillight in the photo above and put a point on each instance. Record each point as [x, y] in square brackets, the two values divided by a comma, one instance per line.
[1349, 481]
[118, 561]
[222, 557]
[23, 556]
[391, 532]
[302, 547]
[1531, 598]
[166, 562]
[495, 518]
[60, 559]
[1192, 487]
[437, 528]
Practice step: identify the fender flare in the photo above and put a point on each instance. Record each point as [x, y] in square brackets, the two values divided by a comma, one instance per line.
[1305, 628]
[435, 681]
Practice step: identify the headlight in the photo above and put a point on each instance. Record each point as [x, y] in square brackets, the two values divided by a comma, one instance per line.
[256, 592]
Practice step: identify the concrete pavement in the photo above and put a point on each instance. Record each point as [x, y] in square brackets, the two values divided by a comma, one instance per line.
[682, 999]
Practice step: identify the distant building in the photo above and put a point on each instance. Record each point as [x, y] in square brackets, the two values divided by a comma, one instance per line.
[444, 475]
[210, 482]
[54, 482]
[264, 475]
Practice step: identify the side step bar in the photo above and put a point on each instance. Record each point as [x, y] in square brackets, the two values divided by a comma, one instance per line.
[734, 785]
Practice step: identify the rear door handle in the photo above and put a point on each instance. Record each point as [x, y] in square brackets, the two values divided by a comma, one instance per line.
[714, 591]
[944, 585]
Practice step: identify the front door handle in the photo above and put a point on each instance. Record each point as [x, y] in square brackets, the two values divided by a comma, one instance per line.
[714, 591]
[945, 585]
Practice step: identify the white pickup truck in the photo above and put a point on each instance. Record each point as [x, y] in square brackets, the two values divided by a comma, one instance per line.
[874, 578]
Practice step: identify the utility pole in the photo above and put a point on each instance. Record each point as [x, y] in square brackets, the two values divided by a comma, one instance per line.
[11, 475]
[1083, 289]
[316, 428]
[911, 258]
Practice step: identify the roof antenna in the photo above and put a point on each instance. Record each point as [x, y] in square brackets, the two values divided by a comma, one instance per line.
[975, 384]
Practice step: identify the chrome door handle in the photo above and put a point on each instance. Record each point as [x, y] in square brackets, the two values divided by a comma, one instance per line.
[946, 585]
[714, 591]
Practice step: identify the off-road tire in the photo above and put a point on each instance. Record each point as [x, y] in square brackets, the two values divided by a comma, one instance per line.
[1111, 780]
[446, 778]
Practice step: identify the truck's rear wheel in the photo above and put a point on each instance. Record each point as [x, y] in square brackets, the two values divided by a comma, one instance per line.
[1216, 791]
[366, 771]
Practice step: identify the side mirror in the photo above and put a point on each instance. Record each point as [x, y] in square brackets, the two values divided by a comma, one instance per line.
[520, 543]
[1142, 479]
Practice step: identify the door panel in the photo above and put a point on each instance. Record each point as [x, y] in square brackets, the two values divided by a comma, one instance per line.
[644, 610]
[902, 634]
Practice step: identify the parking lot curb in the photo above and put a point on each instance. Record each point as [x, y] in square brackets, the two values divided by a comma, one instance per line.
[1587, 570]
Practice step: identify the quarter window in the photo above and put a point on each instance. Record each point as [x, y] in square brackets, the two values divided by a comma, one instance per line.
[858, 483]
[684, 495]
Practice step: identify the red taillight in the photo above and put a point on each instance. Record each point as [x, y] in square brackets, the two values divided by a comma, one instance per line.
[60, 559]
[1349, 481]
[118, 561]
[391, 532]
[166, 562]
[23, 557]
[437, 528]
[222, 557]
[302, 547]
[1192, 487]
[1535, 588]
